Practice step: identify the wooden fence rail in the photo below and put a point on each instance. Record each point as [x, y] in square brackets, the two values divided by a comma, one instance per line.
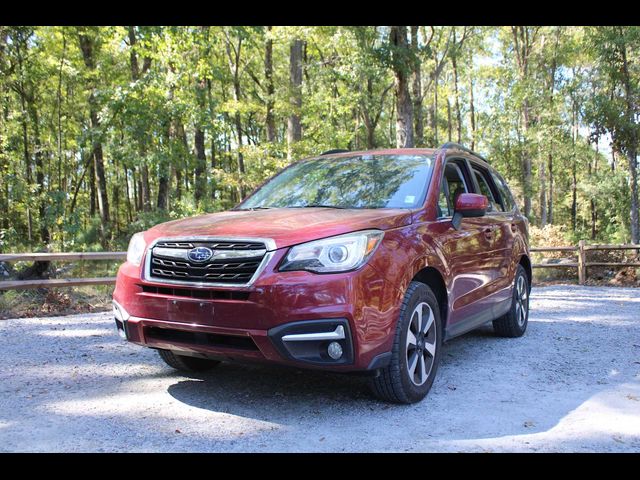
[58, 257]
[581, 264]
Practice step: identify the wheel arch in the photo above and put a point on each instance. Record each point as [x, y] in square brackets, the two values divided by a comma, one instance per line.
[525, 261]
[432, 278]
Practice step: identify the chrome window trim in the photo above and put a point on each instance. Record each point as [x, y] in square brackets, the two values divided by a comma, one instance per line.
[268, 242]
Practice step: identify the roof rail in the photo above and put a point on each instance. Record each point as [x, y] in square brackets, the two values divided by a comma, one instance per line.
[335, 150]
[457, 146]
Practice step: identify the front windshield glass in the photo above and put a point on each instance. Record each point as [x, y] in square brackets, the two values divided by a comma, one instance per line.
[359, 181]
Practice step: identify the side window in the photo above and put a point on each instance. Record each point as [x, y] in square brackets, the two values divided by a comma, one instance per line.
[485, 189]
[453, 184]
[505, 193]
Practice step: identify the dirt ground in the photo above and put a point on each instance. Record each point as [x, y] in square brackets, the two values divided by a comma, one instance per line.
[572, 383]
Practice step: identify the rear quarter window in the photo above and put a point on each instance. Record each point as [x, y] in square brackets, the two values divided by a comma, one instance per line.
[505, 194]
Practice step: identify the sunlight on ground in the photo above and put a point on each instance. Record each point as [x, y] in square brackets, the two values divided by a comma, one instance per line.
[75, 333]
[613, 414]
[138, 400]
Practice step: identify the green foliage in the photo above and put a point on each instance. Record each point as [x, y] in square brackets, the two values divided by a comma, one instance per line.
[181, 118]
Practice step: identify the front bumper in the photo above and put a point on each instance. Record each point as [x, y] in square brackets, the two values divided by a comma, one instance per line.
[249, 323]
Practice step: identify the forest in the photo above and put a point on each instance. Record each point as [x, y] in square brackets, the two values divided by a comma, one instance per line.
[106, 131]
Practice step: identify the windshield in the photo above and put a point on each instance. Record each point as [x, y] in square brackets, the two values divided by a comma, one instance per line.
[359, 181]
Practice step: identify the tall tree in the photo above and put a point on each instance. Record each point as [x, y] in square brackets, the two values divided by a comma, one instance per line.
[270, 121]
[616, 106]
[89, 44]
[524, 40]
[294, 126]
[402, 65]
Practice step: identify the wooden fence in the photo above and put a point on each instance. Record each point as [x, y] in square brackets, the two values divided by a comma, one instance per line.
[582, 264]
[580, 251]
[58, 257]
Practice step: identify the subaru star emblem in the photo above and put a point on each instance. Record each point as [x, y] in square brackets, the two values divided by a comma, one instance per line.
[200, 254]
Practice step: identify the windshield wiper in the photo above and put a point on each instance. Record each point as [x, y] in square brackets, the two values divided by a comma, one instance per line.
[317, 205]
[255, 208]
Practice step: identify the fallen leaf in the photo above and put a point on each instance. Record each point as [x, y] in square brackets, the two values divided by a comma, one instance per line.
[178, 431]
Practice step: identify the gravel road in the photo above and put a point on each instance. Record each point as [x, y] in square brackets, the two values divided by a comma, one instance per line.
[572, 383]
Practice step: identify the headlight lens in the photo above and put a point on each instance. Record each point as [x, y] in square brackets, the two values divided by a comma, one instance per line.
[136, 249]
[333, 254]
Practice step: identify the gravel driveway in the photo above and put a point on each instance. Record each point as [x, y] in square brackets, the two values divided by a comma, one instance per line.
[572, 383]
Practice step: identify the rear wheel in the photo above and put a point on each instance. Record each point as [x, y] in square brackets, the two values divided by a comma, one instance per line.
[416, 349]
[514, 322]
[185, 363]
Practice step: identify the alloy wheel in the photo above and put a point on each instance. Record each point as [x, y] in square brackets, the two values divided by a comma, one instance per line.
[421, 343]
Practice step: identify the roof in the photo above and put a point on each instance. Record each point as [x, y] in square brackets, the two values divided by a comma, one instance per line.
[409, 151]
[386, 151]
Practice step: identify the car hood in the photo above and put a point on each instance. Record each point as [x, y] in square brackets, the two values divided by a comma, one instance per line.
[286, 226]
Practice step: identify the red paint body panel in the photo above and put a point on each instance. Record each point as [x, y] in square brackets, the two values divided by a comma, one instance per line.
[477, 265]
[287, 226]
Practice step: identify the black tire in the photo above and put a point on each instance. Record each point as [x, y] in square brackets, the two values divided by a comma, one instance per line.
[514, 322]
[395, 383]
[185, 363]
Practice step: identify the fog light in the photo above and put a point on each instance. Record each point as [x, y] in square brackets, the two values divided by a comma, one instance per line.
[334, 350]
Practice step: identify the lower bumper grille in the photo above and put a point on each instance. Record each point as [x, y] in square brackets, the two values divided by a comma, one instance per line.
[199, 338]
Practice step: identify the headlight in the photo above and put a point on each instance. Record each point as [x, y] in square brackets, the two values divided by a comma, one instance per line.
[333, 254]
[136, 249]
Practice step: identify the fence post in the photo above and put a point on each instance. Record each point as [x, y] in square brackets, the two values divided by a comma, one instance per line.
[582, 264]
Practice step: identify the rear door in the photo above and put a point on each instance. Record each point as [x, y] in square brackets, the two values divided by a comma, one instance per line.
[498, 237]
[466, 250]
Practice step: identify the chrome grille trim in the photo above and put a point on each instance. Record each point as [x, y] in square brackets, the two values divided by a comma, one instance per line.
[182, 242]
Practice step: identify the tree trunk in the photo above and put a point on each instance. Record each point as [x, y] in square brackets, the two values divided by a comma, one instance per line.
[144, 190]
[201, 157]
[550, 203]
[449, 123]
[27, 159]
[163, 188]
[633, 170]
[631, 143]
[294, 127]
[472, 114]
[523, 41]
[270, 121]
[404, 107]
[543, 195]
[88, 54]
[417, 89]
[93, 203]
[574, 168]
[454, 64]
[526, 161]
[45, 236]
[145, 187]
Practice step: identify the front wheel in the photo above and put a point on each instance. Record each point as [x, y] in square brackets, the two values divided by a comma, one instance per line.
[416, 349]
[514, 322]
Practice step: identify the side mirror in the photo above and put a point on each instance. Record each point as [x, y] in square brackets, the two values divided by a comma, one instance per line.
[469, 205]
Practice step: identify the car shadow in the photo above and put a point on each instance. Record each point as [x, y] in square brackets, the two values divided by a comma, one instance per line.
[515, 386]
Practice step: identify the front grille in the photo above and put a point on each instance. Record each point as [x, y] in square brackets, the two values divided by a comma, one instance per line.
[233, 263]
[200, 338]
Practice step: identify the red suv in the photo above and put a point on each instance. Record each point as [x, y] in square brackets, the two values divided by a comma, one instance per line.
[350, 261]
